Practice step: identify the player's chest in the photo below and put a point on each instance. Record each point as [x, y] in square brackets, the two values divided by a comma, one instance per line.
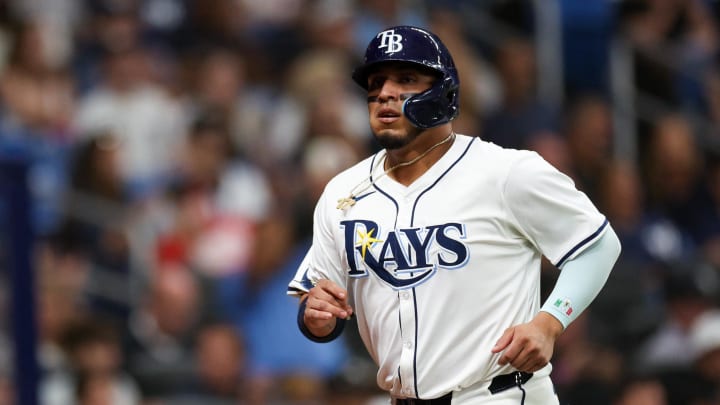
[405, 240]
[462, 200]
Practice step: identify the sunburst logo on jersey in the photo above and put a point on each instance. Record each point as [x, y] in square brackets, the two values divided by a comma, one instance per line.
[366, 240]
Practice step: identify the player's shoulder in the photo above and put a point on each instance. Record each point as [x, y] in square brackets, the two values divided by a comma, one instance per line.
[491, 155]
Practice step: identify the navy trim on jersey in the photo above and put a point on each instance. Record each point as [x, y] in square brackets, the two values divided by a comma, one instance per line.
[412, 216]
[372, 165]
[412, 223]
[360, 197]
[397, 206]
[401, 339]
[581, 244]
[397, 212]
[306, 282]
[400, 324]
[415, 377]
[296, 290]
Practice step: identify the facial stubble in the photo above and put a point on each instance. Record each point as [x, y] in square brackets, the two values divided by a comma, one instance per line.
[391, 142]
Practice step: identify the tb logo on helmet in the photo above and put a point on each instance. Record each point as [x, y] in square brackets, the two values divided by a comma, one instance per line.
[390, 40]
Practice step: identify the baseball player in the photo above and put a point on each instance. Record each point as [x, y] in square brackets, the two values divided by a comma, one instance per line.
[435, 243]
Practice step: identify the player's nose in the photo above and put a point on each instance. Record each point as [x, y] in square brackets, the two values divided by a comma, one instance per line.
[389, 91]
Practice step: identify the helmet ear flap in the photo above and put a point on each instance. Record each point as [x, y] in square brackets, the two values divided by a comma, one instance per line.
[435, 106]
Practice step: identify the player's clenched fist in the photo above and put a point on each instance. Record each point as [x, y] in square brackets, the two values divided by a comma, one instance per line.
[324, 303]
[528, 347]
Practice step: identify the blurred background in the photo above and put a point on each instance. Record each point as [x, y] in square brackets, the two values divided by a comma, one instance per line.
[160, 161]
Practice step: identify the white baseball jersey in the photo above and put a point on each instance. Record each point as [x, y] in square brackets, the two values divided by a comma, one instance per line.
[436, 271]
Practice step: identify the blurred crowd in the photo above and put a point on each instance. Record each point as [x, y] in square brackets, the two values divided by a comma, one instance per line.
[177, 148]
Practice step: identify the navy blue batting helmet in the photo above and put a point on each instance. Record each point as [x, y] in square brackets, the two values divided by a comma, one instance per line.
[435, 106]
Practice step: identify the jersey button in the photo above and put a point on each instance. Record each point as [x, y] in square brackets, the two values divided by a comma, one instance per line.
[405, 295]
[408, 344]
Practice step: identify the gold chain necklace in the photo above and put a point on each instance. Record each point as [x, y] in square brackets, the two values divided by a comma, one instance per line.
[349, 201]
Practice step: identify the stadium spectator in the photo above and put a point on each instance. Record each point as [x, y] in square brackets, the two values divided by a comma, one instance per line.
[159, 337]
[94, 374]
[148, 123]
[520, 114]
[588, 130]
[282, 365]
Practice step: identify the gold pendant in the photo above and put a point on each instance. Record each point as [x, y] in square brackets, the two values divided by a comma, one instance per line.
[345, 203]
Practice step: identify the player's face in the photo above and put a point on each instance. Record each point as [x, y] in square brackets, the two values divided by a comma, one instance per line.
[388, 86]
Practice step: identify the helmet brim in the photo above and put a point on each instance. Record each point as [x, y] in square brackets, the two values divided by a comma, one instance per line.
[360, 74]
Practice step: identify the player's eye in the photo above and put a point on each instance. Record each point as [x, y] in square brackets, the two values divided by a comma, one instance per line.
[407, 79]
[376, 82]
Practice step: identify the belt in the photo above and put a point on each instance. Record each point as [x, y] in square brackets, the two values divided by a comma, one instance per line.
[443, 400]
[506, 381]
[499, 383]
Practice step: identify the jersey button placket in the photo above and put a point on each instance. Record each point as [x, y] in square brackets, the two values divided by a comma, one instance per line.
[407, 354]
[407, 312]
[404, 216]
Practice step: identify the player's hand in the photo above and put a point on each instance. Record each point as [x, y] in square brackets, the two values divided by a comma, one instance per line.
[324, 304]
[529, 346]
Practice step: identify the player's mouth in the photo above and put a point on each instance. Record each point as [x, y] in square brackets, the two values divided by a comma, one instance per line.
[388, 115]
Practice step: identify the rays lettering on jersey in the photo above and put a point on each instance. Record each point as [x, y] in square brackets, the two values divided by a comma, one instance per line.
[402, 258]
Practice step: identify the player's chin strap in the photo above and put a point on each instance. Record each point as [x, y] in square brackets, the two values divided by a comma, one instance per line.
[349, 201]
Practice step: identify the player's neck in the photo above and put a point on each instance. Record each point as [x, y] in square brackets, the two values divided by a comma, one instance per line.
[428, 148]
